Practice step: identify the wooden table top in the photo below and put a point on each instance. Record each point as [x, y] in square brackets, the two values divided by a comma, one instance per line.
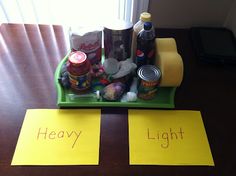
[29, 55]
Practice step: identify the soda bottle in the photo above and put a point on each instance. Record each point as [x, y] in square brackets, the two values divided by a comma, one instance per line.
[145, 53]
[144, 17]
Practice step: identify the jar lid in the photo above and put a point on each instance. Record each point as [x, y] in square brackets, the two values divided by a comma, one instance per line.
[77, 57]
[145, 16]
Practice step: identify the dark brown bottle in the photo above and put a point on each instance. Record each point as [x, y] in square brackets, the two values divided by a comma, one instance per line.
[145, 53]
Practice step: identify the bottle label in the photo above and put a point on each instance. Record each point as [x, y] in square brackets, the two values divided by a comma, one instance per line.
[140, 58]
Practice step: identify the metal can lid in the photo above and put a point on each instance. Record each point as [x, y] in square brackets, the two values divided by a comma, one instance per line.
[118, 25]
[149, 73]
[77, 57]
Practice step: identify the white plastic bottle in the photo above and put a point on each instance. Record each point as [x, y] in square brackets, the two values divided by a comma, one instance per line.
[144, 17]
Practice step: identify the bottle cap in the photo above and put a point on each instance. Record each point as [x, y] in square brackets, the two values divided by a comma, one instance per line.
[145, 16]
[147, 26]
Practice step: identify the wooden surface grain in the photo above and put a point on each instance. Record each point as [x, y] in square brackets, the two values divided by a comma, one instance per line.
[29, 55]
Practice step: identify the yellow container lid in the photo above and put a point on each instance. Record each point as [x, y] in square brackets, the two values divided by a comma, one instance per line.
[145, 16]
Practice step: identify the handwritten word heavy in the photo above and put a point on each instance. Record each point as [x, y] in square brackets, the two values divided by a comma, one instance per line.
[165, 136]
[52, 135]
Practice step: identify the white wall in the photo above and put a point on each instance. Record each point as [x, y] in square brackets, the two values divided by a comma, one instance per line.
[188, 13]
[231, 19]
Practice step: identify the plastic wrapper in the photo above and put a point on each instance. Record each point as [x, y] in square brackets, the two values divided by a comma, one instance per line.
[88, 40]
[113, 91]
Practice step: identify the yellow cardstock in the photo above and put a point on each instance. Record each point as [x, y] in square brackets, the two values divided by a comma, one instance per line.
[168, 137]
[59, 137]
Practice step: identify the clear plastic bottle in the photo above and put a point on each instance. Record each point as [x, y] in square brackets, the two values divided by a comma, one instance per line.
[144, 17]
[146, 50]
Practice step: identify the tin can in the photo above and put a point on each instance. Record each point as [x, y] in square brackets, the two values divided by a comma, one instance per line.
[79, 69]
[148, 80]
[118, 40]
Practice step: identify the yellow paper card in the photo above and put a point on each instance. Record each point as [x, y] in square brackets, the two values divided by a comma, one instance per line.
[59, 137]
[168, 137]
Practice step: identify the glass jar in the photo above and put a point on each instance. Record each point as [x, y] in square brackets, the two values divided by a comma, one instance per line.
[79, 69]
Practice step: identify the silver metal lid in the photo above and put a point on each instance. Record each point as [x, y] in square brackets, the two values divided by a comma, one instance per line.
[119, 25]
[149, 73]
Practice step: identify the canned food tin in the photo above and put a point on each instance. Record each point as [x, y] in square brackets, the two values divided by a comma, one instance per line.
[149, 77]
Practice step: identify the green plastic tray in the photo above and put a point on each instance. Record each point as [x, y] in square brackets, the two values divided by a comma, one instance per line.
[163, 99]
